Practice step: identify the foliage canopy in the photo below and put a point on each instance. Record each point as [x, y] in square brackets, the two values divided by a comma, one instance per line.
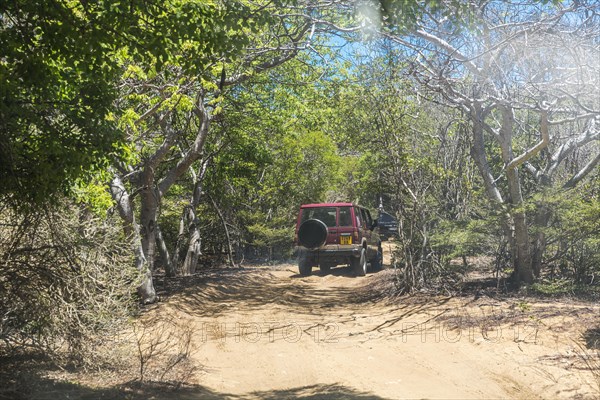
[60, 62]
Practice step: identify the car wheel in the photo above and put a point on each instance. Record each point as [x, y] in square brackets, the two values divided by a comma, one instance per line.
[360, 265]
[305, 265]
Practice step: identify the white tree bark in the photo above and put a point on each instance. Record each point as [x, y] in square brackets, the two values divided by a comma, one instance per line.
[125, 208]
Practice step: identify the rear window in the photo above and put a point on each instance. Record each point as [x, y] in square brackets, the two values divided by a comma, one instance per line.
[345, 217]
[385, 217]
[325, 214]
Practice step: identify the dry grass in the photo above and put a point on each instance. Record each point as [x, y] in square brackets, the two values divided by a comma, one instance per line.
[589, 353]
[164, 349]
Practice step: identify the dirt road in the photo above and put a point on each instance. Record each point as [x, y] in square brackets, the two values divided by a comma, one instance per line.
[266, 332]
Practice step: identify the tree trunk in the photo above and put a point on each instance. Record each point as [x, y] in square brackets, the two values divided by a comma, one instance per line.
[522, 260]
[125, 207]
[541, 221]
[515, 220]
[478, 153]
[230, 251]
[190, 219]
[195, 245]
[148, 213]
[164, 252]
[179, 245]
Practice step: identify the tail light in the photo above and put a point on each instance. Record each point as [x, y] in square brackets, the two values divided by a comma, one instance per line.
[355, 235]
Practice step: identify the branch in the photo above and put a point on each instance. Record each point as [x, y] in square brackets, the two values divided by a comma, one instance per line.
[192, 154]
[478, 153]
[452, 51]
[532, 170]
[583, 173]
[573, 119]
[338, 28]
[155, 159]
[289, 53]
[571, 145]
[535, 149]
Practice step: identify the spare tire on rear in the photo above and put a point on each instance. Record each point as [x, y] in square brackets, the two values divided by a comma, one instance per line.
[312, 234]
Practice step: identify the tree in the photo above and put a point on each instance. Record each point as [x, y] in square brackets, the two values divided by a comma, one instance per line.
[501, 64]
[60, 66]
[266, 154]
[169, 115]
[409, 154]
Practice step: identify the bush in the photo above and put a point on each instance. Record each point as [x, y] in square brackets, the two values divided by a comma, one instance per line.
[66, 279]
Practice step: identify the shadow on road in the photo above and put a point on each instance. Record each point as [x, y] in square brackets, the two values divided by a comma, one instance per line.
[44, 389]
[337, 271]
[249, 289]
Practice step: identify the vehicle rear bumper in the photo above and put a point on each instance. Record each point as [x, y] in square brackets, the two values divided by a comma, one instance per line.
[332, 251]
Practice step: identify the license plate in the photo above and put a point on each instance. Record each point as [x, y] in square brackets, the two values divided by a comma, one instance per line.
[346, 239]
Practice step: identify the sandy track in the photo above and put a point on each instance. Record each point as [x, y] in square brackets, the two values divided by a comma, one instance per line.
[265, 332]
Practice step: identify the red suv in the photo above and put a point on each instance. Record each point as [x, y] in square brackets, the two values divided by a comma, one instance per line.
[330, 234]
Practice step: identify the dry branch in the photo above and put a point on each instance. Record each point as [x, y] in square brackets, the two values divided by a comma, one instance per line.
[532, 152]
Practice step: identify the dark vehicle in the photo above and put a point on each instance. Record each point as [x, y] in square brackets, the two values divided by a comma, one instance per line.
[388, 225]
[331, 234]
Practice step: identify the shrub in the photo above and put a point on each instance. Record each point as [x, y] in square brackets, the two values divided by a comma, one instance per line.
[66, 279]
